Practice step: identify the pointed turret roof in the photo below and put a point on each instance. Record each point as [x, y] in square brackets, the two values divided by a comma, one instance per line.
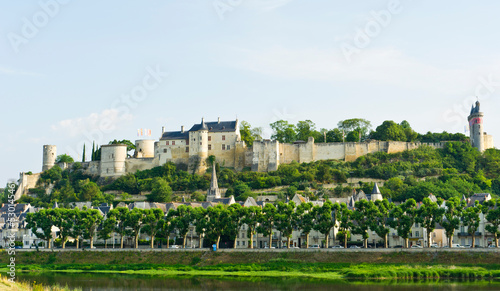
[213, 192]
[376, 190]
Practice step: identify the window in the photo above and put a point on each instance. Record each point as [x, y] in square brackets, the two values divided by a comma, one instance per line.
[223, 147]
[417, 234]
[167, 142]
[209, 147]
[187, 149]
[200, 142]
[237, 243]
[187, 141]
[243, 242]
[223, 137]
[173, 142]
[228, 147]
[164, 150]
[209, 138]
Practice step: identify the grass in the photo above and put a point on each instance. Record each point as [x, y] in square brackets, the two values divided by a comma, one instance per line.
[5, 284]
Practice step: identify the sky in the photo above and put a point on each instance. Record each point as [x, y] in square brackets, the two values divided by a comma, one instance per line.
[74, 72]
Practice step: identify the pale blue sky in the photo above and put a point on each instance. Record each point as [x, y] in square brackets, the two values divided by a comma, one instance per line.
[260, 60]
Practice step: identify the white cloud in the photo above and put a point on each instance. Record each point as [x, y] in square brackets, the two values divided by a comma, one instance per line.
[104, 122]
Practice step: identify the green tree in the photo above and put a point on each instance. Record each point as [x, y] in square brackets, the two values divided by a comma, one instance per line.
[119, 215]
[41, 223]
[89, 191]
[91, 219]
[236, 217]
[305, 129]
[334, 135]
[363, 217]
[64, 158]
[402, 218]
[133, 223]
[352, 136]
[267, 221]
[471, 219]
[161, 191]
[83, 154]
[492, 210]
[152, 223]
[64, 219]
[200, 222]
[324, 222]
[107, 228]
[303, 219]
[344, 218]
[381, 219]
[283, 131]
[452, 214]
[78, 229]
[251, 217]
[284, 221]
[362, 126]
[428, 215]
[249, 134]
[182, 217]
[389, 130]
[219, 223]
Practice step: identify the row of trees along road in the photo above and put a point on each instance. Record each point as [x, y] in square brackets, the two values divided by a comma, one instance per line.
[226, 221]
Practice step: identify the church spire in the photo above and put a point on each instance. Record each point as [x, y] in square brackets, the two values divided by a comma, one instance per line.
[214, 191]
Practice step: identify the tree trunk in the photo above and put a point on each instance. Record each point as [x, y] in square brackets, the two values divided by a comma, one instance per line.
[235, 239]
[218, 239]
[137, 241]
[385, 242]
[496, 239]
[184, 241]
[450, 240]
[64, 244]
[270, 239]
[152, 241]
[288, 242]
[77, 242]
[406, 243]
[48, 243]
[307, 240]
[327, 236]
[168, 241]
[473, 240]
[365, 242]
[91, 242]
[200, 241]
[428, 239]
[345, 240]
[121, 241]
[105, 243]
[251, 240]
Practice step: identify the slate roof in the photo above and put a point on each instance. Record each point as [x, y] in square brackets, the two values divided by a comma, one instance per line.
[223, 126]
[175, 135]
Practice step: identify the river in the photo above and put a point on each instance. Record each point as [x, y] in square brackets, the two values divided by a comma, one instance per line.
[95, 282]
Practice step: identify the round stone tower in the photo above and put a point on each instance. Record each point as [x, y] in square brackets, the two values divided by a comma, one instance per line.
[198, 149]
[476, 127]
[144, 148]
[113, 158]
[49, 157]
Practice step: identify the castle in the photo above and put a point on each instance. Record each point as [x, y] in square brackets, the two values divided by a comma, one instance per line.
[189, 150]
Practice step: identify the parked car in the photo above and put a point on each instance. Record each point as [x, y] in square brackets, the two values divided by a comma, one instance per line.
[397, 247]
[456, 246]
[434, 246]
[466, 246]
[314, 247]
[354, 247]
[336, 247]
[416, 246]
[492, 246]
[175, 247]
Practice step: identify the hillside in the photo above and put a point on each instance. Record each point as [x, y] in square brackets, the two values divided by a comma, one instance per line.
[456, 170]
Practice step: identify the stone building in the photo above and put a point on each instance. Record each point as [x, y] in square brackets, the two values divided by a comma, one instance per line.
[478, 138]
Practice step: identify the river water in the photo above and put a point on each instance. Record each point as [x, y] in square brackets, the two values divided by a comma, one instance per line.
[94, 282]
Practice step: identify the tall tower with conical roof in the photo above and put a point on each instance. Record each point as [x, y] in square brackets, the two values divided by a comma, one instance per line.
[376, 195]
[214, 191]
[476, 127]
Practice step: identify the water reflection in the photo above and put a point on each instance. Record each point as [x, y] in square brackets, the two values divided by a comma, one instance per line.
[94, 282]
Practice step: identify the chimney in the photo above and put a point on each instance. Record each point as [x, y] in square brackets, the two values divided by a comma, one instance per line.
[182, 129]
[218, 119]
[162, 129]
